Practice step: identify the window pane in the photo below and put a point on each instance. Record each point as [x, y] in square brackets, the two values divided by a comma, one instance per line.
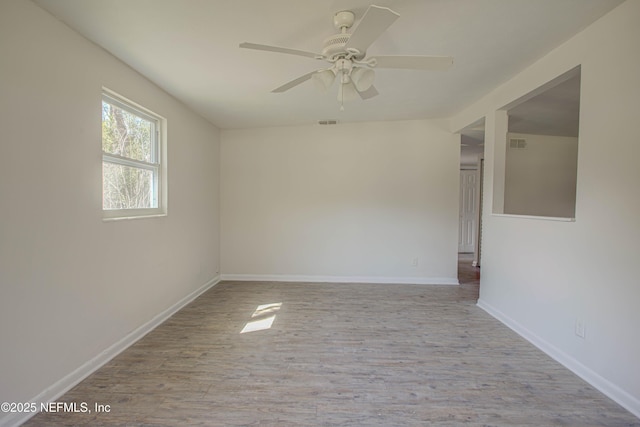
[126, 187]
[126, 134]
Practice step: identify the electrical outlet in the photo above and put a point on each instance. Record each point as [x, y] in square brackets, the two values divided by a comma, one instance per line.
[581, 328]
[414, 262]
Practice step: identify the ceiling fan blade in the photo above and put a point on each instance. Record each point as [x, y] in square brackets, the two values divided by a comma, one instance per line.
[293, 83]
[280, 50]
[416, 62]
[369, 93]
[374, 22]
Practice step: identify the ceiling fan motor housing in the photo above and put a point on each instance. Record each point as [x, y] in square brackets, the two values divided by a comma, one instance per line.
[334, 48]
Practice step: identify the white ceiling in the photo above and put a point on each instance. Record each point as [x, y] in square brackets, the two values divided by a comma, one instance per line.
[190, 48]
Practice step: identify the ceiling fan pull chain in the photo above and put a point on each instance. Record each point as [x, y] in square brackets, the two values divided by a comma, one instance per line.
[341, 89]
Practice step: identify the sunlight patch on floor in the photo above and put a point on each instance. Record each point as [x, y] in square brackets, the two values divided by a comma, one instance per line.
[262, 322]
[266, 309]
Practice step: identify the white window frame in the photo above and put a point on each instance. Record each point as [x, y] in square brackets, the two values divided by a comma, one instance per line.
[158, 156]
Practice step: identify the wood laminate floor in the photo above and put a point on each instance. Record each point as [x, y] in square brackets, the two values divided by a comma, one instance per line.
[337, 355]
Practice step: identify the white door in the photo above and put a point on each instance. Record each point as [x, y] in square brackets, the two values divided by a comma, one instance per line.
[468, 214]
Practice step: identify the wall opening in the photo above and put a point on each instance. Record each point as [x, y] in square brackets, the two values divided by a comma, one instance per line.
[541, 150]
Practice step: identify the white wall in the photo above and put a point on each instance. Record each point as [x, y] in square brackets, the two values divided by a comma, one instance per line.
[72, 285]
[540, 276]
[540, 180]
[352, 202]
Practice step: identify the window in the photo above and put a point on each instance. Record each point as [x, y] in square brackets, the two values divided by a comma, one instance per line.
[132, 159]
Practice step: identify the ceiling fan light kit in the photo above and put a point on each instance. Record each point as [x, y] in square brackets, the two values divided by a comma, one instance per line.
[323, 79]
[347, 54]
[363, 78]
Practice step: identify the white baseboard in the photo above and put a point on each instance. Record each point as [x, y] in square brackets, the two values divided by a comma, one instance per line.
[340, 279]
[605, 386]
[69, 381]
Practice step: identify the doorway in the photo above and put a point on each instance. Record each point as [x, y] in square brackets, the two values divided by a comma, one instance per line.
[470, 215]
[467, 224]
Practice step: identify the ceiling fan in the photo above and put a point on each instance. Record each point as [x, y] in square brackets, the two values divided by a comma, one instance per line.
[347, 54]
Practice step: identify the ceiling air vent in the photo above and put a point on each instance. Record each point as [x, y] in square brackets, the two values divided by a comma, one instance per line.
[517, 143]
[327, 122]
